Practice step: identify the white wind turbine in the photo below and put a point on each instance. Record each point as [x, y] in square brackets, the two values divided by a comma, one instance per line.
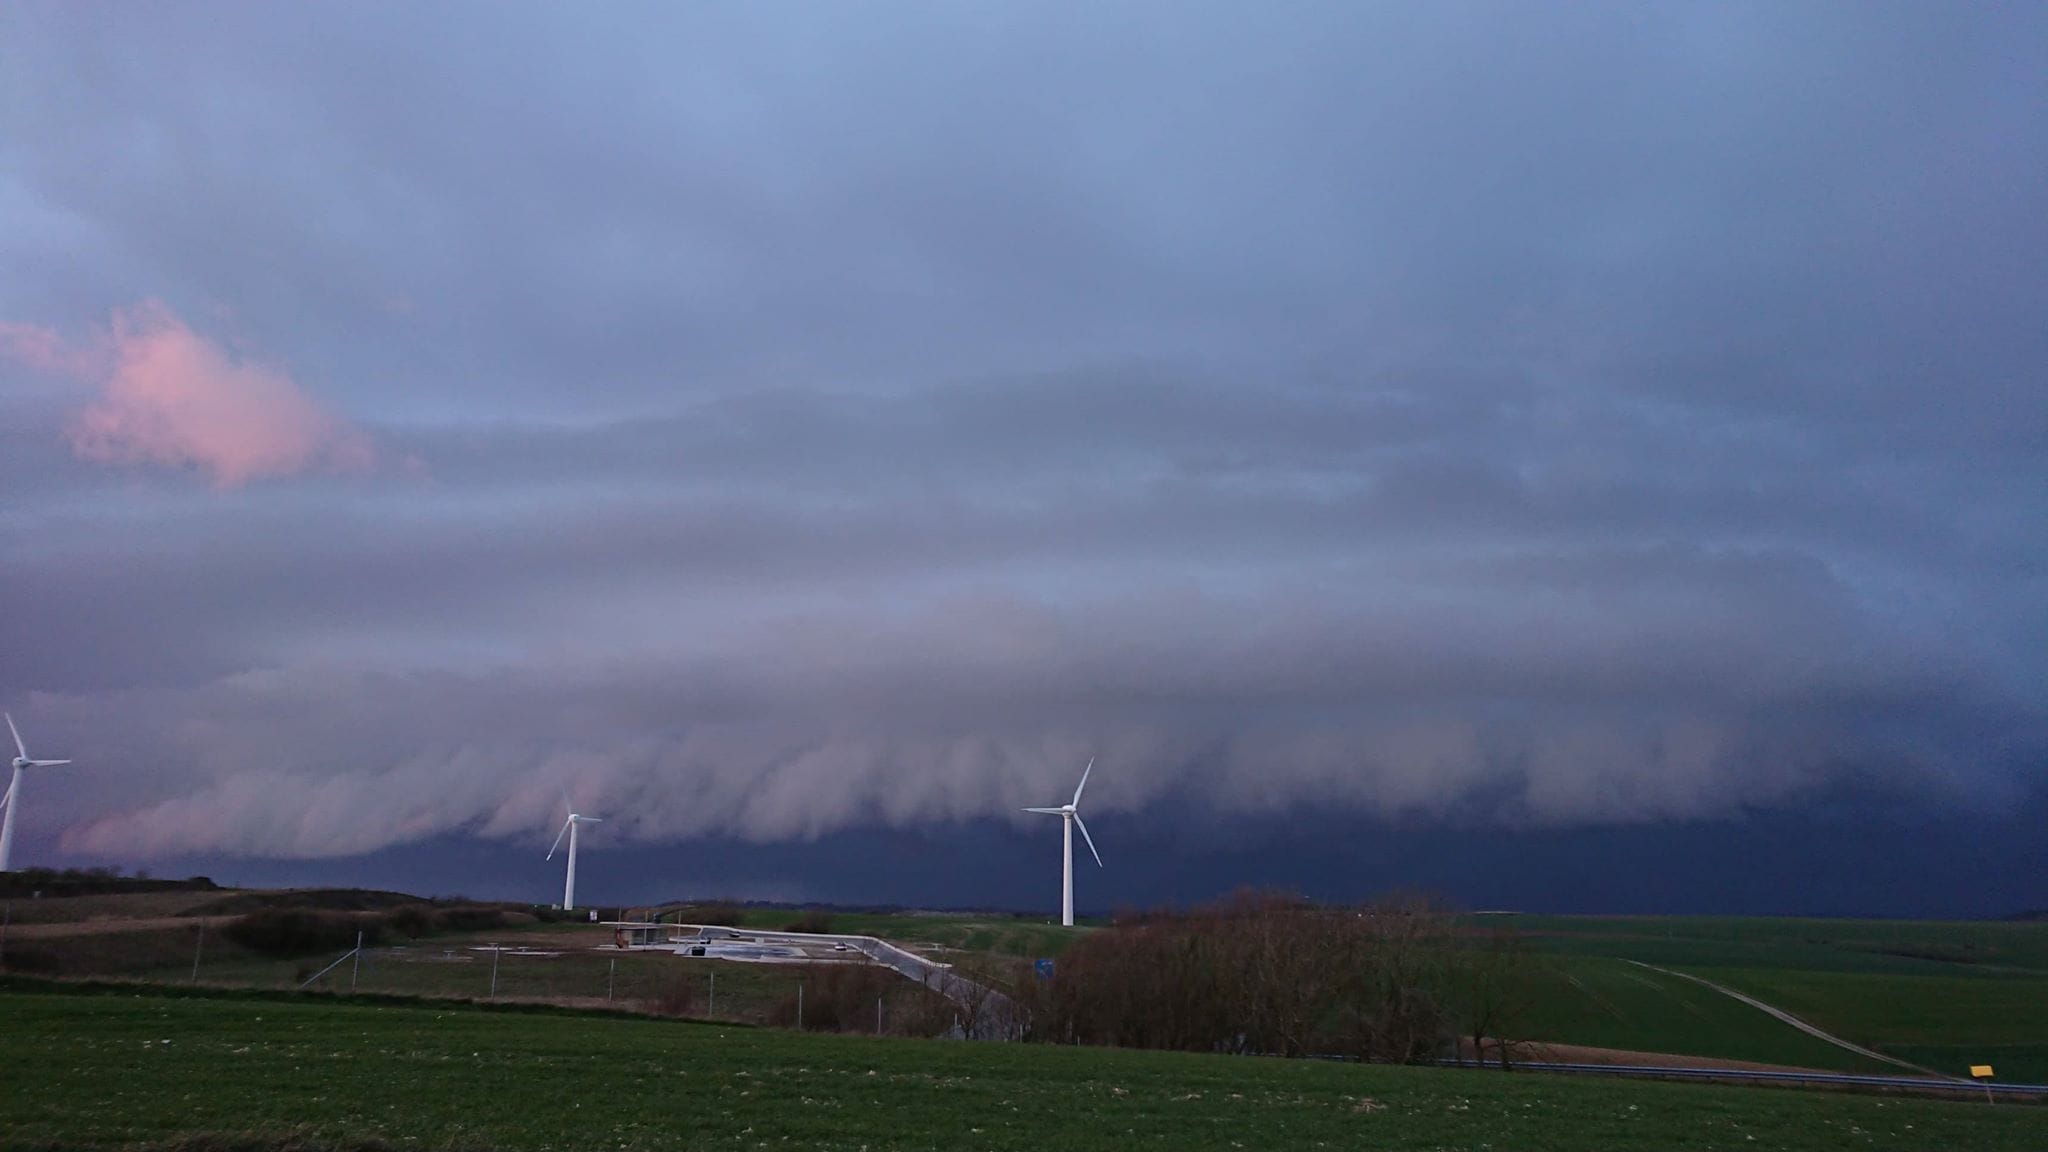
[569, 830]
[1070, 815]
[12, 801]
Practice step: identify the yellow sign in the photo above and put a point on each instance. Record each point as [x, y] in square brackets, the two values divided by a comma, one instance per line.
[1980, 1071]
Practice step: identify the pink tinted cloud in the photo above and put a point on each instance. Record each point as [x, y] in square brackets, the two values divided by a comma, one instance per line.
[46, 352]
[171, 397]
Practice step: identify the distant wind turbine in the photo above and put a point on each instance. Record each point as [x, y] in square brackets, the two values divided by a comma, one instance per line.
[1070, 814]
[569, 830]
[12, 801]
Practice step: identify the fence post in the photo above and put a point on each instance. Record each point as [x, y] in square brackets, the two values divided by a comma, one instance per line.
[355, 968]
[610, 978]
[799, 1005]
[711, 1002]
[494, 971]
[878, 1015]
[197, 947]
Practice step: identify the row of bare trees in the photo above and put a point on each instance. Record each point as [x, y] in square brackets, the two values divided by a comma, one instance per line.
[1262, 972]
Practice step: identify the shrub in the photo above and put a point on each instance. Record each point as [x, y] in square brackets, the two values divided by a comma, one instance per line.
[677, 999]
[34, 960]
[1270, 973]
[813, 921]
[297, 931]
[724, 915]
[412, 921]
[470, 918]
[839, 998]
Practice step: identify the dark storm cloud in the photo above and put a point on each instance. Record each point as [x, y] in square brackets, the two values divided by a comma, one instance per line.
[862, 416]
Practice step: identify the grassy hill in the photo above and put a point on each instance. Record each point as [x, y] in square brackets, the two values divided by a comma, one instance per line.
[1988, 948]
[1942, 995]
[1608, 1003]
[140, 1071]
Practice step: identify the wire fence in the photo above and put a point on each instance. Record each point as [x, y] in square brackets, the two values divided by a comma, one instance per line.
[851, 997]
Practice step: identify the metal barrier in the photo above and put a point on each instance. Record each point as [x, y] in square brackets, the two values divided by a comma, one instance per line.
[1652, 1071]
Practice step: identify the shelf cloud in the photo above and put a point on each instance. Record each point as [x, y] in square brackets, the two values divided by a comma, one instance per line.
[1485, 415]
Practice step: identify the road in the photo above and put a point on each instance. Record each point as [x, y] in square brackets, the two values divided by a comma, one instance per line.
[989, 1014]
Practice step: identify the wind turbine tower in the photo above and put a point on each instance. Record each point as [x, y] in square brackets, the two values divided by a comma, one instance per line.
[12, 802]
[1070, 815]
[569, 830]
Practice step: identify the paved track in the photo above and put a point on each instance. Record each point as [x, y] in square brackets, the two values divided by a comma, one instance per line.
[989, 1011]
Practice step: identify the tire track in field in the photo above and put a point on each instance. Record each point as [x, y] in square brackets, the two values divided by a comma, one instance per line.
[1786, 1017]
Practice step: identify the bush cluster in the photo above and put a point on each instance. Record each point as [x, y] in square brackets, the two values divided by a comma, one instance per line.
[24, 883]
[723, 915]
[297, 929]
[841, 998]
[1268, 973]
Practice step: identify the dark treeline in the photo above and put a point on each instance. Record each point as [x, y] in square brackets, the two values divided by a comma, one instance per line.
[1400, 980]
[52, 883]
[299, 928]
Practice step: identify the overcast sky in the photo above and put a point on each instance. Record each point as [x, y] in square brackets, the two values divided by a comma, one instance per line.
[780, 422]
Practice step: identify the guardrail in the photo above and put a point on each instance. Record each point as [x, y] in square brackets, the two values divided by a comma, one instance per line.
[1844, 1079]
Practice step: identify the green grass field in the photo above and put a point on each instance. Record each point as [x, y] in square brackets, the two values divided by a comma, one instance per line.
[1945, 948]
[1606, 1003]
[1941, 995]
[452, 968]
[1940, 1022]
[132, 1070]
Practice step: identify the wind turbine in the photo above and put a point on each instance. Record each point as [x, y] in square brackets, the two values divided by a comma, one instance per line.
[1070, 814]
[569, 830]
[12, 800]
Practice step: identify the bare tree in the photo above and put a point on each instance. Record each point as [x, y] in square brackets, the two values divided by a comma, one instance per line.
[1494, 986]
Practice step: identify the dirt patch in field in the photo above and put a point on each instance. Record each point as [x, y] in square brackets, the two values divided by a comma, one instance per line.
[1586, 1054]
[110, 926]
[128, 907]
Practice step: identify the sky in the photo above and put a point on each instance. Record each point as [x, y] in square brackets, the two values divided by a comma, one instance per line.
[1593, 458]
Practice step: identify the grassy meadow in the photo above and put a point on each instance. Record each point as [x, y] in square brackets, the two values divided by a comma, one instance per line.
[1941, 995]
[1608, 1003]
[129, 1069]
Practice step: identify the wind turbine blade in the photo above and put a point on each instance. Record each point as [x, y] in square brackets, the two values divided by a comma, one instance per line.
[1047, 811]
[9, 798]
[566, 806]
[591, 819]
[18, 745]
[558, 837]
[46, 763]
[1084, 781]
[1090, 839]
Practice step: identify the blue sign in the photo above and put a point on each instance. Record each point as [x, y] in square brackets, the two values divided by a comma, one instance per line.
[1044, 968]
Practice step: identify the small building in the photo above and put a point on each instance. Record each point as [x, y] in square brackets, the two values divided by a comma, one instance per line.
[638, 934]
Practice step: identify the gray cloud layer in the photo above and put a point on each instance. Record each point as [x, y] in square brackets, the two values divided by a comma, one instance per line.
[862, 416]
